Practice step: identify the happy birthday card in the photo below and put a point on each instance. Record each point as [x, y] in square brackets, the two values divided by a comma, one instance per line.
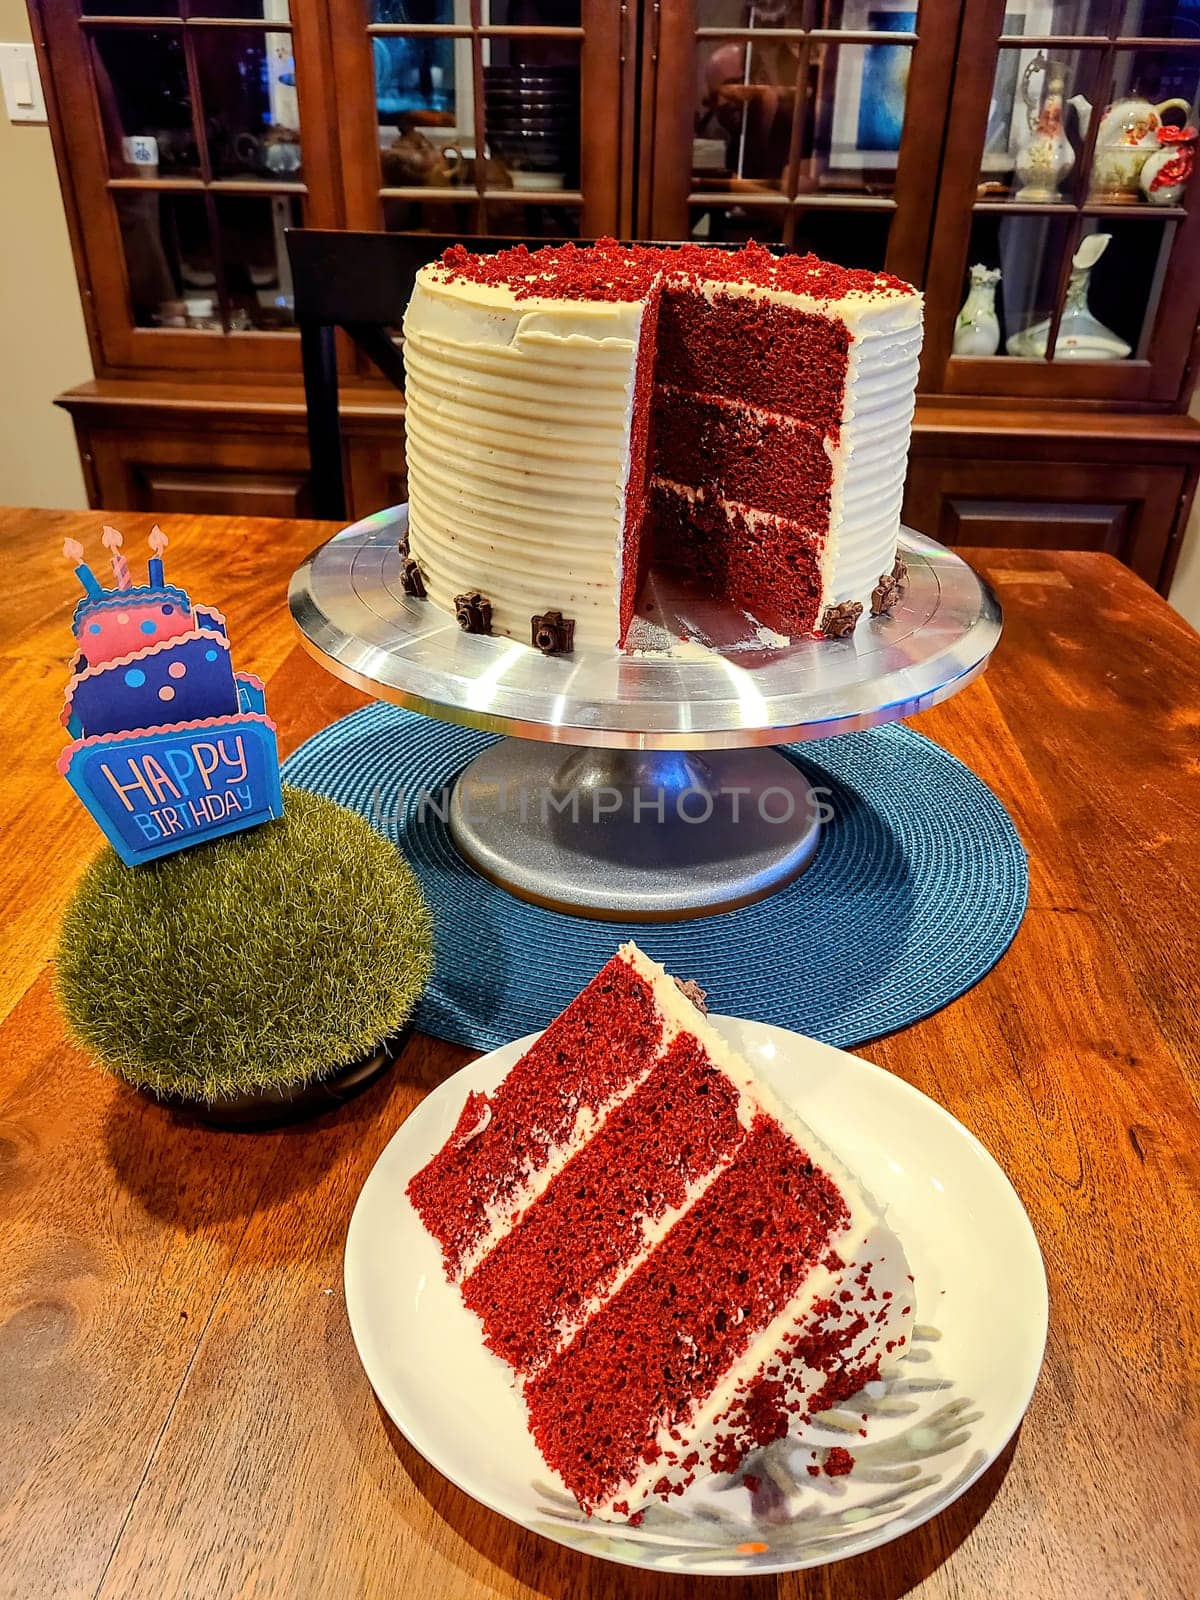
[170, 746]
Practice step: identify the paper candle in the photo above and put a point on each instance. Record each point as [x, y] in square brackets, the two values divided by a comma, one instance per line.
[158, 543]
[112, 541]
[73, 551]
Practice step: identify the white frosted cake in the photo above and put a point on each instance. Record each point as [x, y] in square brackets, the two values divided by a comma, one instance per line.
[577, 415]
[674, 1268]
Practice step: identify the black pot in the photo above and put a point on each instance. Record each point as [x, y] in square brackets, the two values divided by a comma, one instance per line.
[272, 1108]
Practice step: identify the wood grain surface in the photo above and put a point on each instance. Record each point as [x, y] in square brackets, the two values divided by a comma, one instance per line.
[181, 1409]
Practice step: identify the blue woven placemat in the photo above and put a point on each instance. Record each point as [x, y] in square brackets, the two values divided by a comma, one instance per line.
[917, 889]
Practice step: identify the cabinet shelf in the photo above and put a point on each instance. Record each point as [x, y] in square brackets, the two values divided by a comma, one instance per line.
[1087, 208]
[283, 24]
[265, 186]
[529, 31]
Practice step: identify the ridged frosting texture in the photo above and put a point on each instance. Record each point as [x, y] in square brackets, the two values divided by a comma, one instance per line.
[518, 426]
[870, 461]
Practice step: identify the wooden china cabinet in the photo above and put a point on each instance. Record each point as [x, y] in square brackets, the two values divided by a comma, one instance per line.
[1027, 161]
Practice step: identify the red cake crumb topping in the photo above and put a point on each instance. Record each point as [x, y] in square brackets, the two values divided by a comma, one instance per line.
[763, 1410]
[838, 1462]
[591, 1219]
[611, 271]
[661, 1343]
[605, 1039]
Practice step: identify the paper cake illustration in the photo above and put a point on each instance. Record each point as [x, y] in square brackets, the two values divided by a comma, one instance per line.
[171, 745]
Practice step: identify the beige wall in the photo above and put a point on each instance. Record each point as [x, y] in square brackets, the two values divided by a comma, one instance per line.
[1185, 591]
[43, 347]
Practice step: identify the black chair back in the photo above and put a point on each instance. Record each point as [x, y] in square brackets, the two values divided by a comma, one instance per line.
[361, 283]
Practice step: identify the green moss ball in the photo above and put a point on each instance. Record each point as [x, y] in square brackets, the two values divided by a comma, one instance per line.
[263, 960]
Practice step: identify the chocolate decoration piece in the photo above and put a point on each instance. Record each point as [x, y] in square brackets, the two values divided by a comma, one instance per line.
[889, 588]
[840, 621]
[474, 612]
[402, 546]
[411, 580]
[692, 991]
[552, 633]
[885, 594]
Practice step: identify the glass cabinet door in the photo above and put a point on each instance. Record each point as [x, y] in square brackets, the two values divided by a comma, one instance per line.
[190, 154]
[812, 123]
[1064, 256]
[492, 117]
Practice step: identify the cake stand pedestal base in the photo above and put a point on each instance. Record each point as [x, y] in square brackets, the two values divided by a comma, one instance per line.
[635, 835]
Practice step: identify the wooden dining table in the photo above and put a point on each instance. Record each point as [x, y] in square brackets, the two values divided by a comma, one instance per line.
[182, 1412]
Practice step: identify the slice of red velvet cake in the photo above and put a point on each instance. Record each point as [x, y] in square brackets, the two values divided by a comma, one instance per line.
[670, 1262]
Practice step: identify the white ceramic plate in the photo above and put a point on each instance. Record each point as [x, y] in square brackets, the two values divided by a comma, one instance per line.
[930, 1431]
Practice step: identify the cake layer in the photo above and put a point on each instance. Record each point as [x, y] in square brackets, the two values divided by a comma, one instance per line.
[755, 458]
[644, 1165]
[766, 565]
[507, 1147]
[124, 620]
[747, 348]
[182, 679]
[722, 1274]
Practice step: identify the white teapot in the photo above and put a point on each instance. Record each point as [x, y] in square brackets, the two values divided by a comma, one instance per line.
[1128, 135]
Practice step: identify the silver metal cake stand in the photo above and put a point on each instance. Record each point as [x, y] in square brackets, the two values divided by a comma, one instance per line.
[639, 788]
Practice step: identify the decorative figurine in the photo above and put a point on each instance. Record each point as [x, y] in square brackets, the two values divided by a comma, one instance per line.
[552, 633]
[1127, 137]
[1081, 336]
[1165, 173]
[170, 745]
[474, 612]
[1046, 156]
[889, 589]
[977, 328]
[411, 580]
[841, 620]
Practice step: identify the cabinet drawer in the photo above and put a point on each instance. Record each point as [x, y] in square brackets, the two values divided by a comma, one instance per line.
[1128, 511]
[202, 472]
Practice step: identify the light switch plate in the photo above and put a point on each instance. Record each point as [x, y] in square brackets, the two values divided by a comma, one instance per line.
[22, 86]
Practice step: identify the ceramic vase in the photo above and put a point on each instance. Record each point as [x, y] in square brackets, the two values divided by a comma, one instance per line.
[1127, 140]
[1164, 176]
[1046, 156]
[977, 328]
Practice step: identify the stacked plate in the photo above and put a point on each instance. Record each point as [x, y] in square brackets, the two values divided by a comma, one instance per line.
[533, 119]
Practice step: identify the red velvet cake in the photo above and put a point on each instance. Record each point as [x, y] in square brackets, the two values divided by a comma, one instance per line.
[577, 415]
[671, 1264]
